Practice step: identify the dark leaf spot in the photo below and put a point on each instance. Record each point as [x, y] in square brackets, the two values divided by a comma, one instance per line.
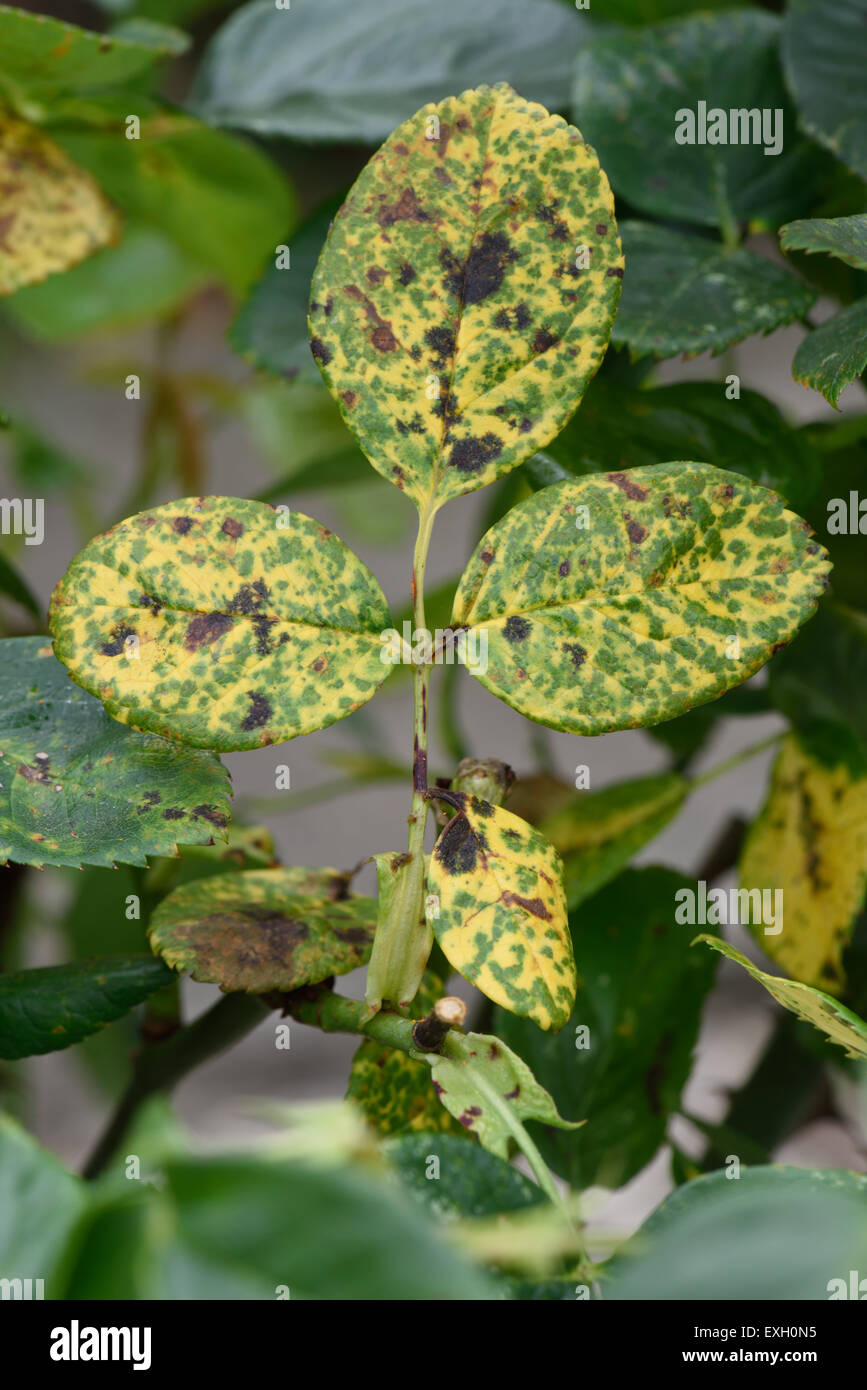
[205, 629]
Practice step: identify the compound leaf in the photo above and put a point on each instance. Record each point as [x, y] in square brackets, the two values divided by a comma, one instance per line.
[263, 929]
[224, 623]
[685, 294]
[54, 214]
[626, 598]
[448, 315]
[825, 1013]
[500, 915]
[810, 841]
[53, 1007]
[78, 788]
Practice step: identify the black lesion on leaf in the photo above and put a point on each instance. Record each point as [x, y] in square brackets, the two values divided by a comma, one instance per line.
[547, 213]
[632, 489]
[543, 340]
[182, 524]
[441, 342]
[173, 813]
[149, 601]
[249, 597]
[207, 628]
[485, 268]
[457, 849]
[354, 936]
[117, 640]
[576, 654]
[260, 711]
[149, 800]
[534, 906]
[468, 1117]
[209, 813]
[634, 529]
[406, 274]
[406, 209]
[516, 629]
[563, 568]
[262, 628]
[233, 528]
[320, 351]
[471, 455]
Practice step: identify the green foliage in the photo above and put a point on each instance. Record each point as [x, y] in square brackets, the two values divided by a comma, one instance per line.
[825, 52]
[624, 1056]
[79, 788]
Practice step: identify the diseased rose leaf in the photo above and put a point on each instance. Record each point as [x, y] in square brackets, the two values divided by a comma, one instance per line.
[395, 1090]
[825, 57]
[812, 1005]
[843, 237]
[810, 841]
[490, 1090]
[55, 1006]
[626, 598]
[224, 623]
[686, 294]
[53, 213]
[264, 930]
[834, 355]
[500, 911]
[447, 313]
[597, 833]
[78, 788]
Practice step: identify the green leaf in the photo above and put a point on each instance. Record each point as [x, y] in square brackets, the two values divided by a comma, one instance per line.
[143, 277]
[394, 1090]
[54, 214]
[222, 201]
[646, 11]
[78, 788]
[597, 833]
[822, 677]
[40, 1203]
[835, 354]
[44, 56]
[469, 1181]
[831, 1017]
[772, 1233]
[825, 55]
[810, 842]
[263, 929]
[326, 74]
[843, 237]
[15, 587]
[258, 624]
[327, 1233]
[642, 97]
[455, 352]
[51, 1008]
[685, 294]
[500, 910]
[626, 1053]
[627, 598]
[271, 327]
[491, 1090]
[687, 420]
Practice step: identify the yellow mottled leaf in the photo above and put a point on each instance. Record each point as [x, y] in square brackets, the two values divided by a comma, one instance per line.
[52, 213]
[499, 910]
[225, 623]
[810, 841]
[812, 1006]
[465, 294]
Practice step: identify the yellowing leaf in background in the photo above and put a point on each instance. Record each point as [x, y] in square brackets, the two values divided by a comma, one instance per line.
[810, 841]
[52, 213]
